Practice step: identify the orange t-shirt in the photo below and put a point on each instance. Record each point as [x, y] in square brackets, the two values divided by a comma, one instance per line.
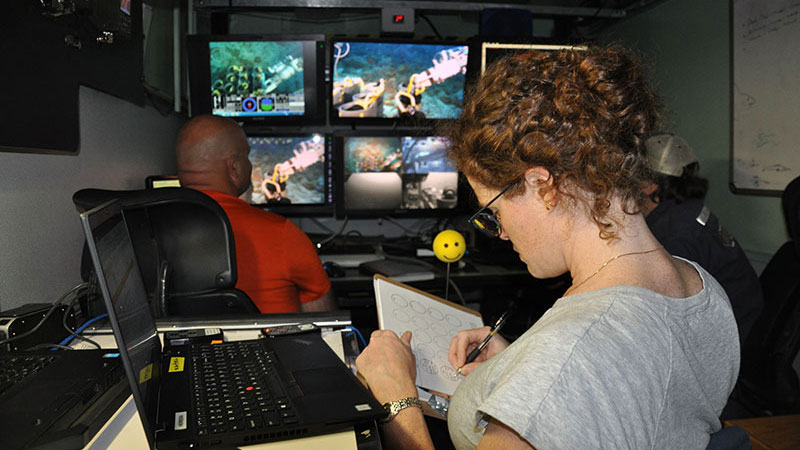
[276, 262]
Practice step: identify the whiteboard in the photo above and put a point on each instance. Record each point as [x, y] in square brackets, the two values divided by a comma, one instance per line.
[765, 97]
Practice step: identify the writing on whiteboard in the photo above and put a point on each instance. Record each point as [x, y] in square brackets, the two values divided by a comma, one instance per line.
[759, 25]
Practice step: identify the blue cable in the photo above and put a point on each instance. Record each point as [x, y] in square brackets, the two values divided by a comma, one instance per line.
[83, 327]
[352, 328]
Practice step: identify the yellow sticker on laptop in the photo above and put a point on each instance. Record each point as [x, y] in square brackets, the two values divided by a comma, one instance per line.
[146, 373]
[176, 364]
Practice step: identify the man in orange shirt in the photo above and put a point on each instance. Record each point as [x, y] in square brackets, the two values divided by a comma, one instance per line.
[277, 264]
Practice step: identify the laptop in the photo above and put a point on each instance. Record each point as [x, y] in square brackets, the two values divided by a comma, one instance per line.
[225, 395]
[57, 399]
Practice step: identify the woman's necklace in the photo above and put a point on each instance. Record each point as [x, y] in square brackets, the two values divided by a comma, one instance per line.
[609, 261]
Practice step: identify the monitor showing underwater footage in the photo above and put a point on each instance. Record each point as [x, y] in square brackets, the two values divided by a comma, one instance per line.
[292, 174]
[384, 80]
[257, 79]
[395, 175]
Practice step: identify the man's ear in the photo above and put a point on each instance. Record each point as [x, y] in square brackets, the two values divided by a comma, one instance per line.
[232, 168]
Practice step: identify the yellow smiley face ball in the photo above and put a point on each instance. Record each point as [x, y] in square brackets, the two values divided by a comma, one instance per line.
[449, 246]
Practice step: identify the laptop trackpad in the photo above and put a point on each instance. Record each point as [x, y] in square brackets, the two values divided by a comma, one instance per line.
[324, 380]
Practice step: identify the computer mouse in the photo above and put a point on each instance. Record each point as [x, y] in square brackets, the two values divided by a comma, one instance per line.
[332, 269]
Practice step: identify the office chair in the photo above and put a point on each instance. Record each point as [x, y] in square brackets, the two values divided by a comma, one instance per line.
[185, 249]
[768, 384]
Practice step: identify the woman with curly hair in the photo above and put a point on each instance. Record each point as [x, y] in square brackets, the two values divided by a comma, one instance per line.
[642, 349]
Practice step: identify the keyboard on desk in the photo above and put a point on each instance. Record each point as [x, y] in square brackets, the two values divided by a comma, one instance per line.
[236, 387]
[16, 368]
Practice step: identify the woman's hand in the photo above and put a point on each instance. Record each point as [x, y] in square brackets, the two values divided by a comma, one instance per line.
[466, 340]
[388, 366]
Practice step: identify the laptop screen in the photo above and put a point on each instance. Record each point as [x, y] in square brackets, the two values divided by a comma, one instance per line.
[126, 301]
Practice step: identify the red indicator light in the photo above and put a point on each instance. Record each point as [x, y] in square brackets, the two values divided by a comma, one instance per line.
[398, 18]
[248, 388]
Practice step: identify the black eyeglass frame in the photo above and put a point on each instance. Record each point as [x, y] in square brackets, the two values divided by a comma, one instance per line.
[488, 216]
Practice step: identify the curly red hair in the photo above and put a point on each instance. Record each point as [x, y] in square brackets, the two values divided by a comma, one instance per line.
[584, 115]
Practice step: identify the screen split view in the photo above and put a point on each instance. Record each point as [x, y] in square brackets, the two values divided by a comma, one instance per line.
[367, 111]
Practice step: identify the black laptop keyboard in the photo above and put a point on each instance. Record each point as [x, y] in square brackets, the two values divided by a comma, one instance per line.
[237, 388]
[16, 368]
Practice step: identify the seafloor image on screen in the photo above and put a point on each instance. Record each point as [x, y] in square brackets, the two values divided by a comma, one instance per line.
[399, 173]
[391, 80]
[288, 170]
[256, 78]
[426, 154]
[373, 154]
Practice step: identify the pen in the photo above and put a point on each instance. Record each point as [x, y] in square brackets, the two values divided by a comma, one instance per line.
[477, 350]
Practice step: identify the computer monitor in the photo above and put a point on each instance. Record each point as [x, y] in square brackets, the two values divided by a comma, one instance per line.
[381, 80]
[292, 174]
[258, 79]
[491, 51]
[395, 175]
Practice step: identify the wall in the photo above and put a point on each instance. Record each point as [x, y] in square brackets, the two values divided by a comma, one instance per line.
[687, 44]
[40, 234]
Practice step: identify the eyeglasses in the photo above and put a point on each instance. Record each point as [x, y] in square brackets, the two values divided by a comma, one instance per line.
[485, 220]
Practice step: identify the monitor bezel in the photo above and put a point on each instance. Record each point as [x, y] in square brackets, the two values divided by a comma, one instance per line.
[305, 210]
[314, 51]
[333, 114]
[477, 49]
[342, 211]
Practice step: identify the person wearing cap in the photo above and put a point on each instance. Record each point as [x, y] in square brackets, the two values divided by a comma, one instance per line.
[684, 225]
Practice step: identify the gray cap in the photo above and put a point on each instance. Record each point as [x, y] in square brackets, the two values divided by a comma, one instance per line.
[668, 154]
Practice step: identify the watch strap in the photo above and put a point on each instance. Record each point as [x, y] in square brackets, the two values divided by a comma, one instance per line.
[394, 407]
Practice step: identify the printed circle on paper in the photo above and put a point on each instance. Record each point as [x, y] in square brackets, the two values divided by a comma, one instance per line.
[417, 307]
[401, 315]
[399, 300]
[428, 366]
[435, 314]
[424, 352]
[452, 320]
[448, 372]
[420, 323]
[441, 342]
[441, 329]
[420, 336]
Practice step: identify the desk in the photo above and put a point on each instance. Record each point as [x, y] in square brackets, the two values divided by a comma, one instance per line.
[125, 431]
[487, 288]
[771, 433]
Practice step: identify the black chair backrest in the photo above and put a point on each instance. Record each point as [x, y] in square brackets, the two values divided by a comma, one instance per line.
[182, 227]
[767, 372]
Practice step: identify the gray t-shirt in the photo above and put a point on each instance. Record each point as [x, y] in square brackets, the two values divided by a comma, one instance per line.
[619, 368]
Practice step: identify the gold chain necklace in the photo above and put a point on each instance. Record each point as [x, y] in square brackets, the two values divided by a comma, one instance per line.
[609, 261]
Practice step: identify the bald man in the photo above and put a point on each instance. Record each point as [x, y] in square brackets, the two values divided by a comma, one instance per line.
[277, 264]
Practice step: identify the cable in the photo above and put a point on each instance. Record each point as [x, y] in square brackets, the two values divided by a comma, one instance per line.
[74, 289]
[321, 225]
[425, 18]
[81, 328]
[457, 291]
[358, 333]
[398, 224]
[53, 346]
[333, 236]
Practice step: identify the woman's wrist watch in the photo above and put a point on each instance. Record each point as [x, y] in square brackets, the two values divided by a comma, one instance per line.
[393, 408]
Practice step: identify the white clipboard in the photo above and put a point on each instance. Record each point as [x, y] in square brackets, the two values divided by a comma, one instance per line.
[433, 322]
